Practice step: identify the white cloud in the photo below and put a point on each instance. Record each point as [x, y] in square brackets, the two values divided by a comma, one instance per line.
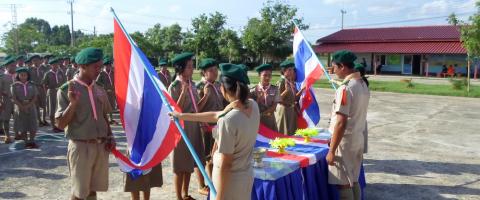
[387, 8]
[438, 6]
[339, 2]
[174, 8]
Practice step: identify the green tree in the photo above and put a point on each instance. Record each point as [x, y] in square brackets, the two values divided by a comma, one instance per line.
[103, 41]
[22, 39]
[207, 31]
[230, 46]
[60, 35]
[269, 36]
[166, 40]
[143, 44]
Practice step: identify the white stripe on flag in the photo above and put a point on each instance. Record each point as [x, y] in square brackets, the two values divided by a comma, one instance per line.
[133, 102]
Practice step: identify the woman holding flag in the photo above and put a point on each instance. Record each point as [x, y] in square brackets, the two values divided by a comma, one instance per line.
[183, 91]
[267, 96]
[236, 135]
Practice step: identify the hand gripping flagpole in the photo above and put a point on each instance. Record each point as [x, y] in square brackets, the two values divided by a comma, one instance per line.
[315, 55]
[177, 122]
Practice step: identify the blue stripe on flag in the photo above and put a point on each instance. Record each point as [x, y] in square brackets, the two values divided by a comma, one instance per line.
[313, 111]
[302, 55]
[149, 113]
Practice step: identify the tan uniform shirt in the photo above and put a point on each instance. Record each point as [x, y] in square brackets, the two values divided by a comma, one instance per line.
[53, 80]
[351, 99]
[83, 125]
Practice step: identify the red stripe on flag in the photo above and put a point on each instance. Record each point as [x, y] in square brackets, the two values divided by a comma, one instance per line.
[304, 162]
[122, 50]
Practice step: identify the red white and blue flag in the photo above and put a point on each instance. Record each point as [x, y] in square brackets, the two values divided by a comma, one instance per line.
[308, 70]
[150, 133]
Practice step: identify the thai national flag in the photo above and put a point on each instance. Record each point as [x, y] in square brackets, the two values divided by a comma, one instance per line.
[309, 70]
[144, 106]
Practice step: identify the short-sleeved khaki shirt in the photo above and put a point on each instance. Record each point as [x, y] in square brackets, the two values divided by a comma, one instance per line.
[351, 99]
[83, 125]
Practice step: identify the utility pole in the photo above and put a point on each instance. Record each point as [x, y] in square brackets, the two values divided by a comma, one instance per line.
[72, 36]
[14, 27]
[94, 31]
[343, 13]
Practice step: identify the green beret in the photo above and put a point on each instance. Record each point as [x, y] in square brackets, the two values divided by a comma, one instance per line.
[72, 59]
[263, 67]
[8, 57]
[360, 68]
[22, 69]
[8, 61]
[53, 60]
[47, 56]
[30, 58]
[19, 57]
[235, 72]
[89, 55]
[244, 67]
[207, 63]
[162, 62]
[182, 57]
[287, 64]
[107, 60]
[344, 56]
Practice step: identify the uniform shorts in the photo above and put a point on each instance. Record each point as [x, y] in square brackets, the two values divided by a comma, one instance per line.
[88, 165]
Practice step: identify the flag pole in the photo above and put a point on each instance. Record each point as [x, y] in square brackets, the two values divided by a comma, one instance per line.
[316, 58]
[177, 122]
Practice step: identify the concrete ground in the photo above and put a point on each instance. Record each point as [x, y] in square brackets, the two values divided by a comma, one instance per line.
[420, 147]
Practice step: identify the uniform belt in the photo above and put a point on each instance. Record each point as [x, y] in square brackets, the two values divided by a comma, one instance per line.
[92, 141]
[287, 105]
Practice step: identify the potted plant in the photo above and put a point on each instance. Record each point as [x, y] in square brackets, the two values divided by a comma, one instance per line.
[281, 144]
[307, 133]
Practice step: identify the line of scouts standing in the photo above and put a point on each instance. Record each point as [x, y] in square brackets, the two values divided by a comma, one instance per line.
[84, 94]
[29, 86]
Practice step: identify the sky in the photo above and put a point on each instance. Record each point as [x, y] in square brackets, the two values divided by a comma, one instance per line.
[323, 16]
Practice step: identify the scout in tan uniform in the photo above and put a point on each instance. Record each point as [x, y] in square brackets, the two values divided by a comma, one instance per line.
[20, 60]
[36, 75]
[267, 96]
[286, 114]
[82, 111]
[6, 110]
[24, 95]
[64, 63]
[52, 80]
[106, 80]
[348, 119]
[164, 74]
[183, 91]
[236, 135]
[72, 69]
[211, 99]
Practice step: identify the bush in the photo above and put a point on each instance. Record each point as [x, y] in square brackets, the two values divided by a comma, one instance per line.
[458, 84]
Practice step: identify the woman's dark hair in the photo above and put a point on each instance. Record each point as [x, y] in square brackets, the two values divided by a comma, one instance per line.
[238, 88]
[17, 78]
[362, 73]
[179, 68]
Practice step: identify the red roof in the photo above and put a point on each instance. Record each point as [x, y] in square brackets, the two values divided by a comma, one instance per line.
[420, 39]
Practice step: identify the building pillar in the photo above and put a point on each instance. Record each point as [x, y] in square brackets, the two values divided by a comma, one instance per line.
[375, 64]
[475, 72]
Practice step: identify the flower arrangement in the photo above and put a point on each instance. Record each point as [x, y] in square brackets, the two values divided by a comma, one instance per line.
[281, 144]
[307, 133]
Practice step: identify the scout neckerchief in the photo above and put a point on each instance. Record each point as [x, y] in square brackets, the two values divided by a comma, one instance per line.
[90, 95]
[265, 91]
[109, 77]
[291, 85]
[11, 75]
[56, 75]
[24, 87]
[208, 83]
[164, 75]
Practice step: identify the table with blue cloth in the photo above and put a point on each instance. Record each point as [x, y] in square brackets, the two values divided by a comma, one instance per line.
[280, 179]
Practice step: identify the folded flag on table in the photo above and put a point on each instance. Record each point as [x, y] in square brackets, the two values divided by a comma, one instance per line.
[308, 70]
[304, 153]
[150, 133]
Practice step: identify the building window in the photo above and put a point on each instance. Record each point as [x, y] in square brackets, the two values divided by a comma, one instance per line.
[394, 59]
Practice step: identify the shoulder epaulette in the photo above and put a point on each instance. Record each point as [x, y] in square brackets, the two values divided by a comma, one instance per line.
[64, 87]
[174, 83]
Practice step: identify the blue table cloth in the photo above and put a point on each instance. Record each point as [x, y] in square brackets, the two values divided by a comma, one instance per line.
[287, 180]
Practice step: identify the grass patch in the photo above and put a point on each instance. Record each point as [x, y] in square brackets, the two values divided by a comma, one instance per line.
[408, 87]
